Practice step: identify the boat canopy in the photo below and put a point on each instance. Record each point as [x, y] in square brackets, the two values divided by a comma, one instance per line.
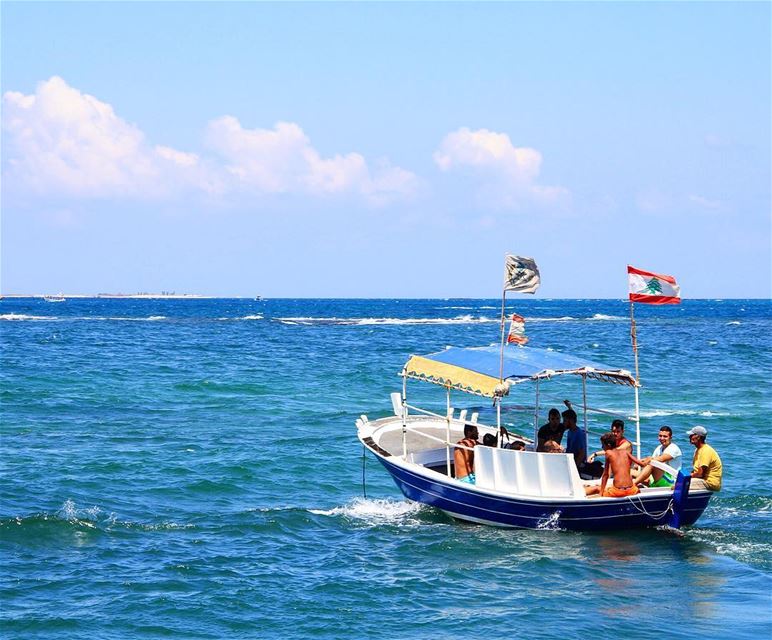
[476, 369]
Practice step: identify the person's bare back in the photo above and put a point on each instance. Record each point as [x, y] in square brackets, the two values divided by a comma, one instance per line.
[618, 465]
[619, 461]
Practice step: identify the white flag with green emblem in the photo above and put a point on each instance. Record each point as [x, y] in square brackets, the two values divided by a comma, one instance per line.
[652, 288]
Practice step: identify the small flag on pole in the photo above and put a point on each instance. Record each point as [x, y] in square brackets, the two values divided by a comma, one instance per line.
[517, 330]
[652, 288]
[520, 274]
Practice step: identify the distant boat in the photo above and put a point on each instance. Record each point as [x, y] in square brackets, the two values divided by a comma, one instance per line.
[258, 298]
[56, 298]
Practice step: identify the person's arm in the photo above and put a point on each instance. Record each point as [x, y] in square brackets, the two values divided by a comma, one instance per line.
[640, 463]
[700, 470]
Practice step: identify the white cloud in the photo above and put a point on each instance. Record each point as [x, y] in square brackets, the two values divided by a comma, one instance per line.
[282, 160]
[509, 174]
[60, 141]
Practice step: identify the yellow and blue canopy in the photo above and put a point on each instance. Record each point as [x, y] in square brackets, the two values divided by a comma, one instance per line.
[476, 369]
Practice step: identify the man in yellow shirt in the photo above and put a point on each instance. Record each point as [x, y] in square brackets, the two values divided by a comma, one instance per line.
[706, 463]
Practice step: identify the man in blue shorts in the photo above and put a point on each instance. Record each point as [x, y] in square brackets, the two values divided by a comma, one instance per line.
[668, 452]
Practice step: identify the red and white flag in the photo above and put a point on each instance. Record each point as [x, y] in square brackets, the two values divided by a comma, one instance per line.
[652, 288]
[517, 330]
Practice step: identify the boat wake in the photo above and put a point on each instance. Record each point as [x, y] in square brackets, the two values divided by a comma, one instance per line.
[375, 511]
[550, 523]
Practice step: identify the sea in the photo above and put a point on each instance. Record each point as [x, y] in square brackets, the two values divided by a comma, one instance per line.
[190, 468]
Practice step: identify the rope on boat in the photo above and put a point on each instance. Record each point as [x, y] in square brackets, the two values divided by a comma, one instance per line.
[642, 508]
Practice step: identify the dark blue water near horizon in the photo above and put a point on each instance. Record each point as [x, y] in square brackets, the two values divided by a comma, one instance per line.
[190, 468]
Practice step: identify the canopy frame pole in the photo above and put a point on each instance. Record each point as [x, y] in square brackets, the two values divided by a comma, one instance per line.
[498, 423]
[536, 417]
[637, 422]
[634, 340]
[584, 413]
[404, 416]
[447, 436]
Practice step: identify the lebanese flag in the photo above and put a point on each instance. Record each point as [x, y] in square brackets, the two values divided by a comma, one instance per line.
[517, 330]
[652, 288]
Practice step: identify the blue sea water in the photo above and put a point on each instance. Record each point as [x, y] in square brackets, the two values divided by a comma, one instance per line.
[190, 468]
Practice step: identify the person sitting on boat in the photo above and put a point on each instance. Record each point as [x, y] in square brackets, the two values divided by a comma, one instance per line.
[553, 430]
[517, 445]
[552, 447]
[668, 452]
[464, 458]
[489, 440]
[576, 438]
[618, 466]
[706, 463]
[618, 429]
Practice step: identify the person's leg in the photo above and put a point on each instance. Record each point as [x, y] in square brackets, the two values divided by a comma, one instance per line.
[643, 475]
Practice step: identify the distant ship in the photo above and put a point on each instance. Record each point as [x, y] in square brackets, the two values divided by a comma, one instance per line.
[56, 298]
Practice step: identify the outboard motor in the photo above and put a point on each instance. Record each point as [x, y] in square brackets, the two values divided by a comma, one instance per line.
[680, 496]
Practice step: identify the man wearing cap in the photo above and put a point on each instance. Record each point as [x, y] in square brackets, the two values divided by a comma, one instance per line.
[706, 463]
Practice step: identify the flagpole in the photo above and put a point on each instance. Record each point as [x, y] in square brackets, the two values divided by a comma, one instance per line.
[634, 339]
[503, 323]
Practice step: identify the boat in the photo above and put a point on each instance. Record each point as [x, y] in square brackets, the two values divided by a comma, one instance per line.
[57, 298]
[514, 488]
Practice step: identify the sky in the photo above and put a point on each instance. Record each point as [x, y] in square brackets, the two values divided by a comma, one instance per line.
[384, 149]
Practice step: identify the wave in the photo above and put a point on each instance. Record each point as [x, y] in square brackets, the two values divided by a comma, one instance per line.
[601, 316]
[256, 316]
[23, 316]
[375, 511]
[466, 319]
[70, 517]
[734, 322]
[660, 413]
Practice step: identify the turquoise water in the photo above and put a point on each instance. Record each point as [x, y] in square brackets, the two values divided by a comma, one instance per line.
[190, 468]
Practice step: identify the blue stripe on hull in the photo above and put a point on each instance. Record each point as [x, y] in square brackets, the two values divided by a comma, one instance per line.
[468, 504]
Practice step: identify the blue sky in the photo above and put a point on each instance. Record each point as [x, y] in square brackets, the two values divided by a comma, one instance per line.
[384, 150]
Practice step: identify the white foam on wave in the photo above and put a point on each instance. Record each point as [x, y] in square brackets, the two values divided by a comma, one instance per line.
[24, 316]
[602, 316]
[374, 511]
[734, 322]
[548, 319]
[255, 316]
[308, 320]
[661, 413]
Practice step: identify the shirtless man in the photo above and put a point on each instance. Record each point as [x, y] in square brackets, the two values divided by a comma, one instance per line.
[618, 429]
[618, 465]
[463, 458]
